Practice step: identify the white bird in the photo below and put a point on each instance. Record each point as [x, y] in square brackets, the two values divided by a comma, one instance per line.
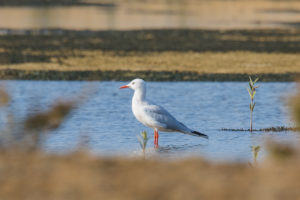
[153, 115]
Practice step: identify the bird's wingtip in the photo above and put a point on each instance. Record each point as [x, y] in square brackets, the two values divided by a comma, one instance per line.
[200, 134]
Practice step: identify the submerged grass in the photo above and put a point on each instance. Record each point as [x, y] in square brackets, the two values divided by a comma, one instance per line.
[270, 129]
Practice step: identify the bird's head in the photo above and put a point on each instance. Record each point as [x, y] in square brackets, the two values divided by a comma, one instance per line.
[136, 84]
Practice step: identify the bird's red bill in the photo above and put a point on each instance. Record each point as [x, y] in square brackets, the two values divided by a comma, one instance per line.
[124, 86]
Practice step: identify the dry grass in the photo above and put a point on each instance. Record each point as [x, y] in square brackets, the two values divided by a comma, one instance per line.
[202, 63]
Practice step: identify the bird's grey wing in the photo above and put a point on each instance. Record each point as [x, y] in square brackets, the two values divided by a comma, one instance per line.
[163, 117]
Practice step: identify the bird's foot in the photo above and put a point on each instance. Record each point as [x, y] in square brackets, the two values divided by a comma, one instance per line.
[156, 144]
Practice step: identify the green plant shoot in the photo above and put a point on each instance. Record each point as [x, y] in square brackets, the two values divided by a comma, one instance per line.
[143, 139]
[252, 91]
[255, 150]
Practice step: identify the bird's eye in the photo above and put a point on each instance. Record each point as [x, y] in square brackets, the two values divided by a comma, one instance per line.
[133, 83]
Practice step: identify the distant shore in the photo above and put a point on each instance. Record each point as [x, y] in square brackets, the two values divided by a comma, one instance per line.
[125, 75]
[155, 55]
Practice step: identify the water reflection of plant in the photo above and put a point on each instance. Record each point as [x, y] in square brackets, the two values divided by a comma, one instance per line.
[295, 107]
[252, 92]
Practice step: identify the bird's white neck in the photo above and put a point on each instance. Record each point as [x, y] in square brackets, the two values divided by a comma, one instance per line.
[139, 94]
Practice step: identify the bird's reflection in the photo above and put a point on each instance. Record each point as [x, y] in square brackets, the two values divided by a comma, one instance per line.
[168, 149]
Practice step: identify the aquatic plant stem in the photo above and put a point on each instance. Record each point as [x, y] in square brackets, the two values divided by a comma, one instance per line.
[143, 139]
[252, 92]
[255, 150]
[251, 115]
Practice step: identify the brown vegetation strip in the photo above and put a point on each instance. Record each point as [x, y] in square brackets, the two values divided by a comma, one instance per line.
[81, 176]
[125, 75]
[174, 54]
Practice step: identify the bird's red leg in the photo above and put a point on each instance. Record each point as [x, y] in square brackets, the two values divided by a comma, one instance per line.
[155, 138]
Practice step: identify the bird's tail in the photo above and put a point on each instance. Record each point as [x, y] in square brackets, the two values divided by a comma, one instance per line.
[189, 131]
[196, 133]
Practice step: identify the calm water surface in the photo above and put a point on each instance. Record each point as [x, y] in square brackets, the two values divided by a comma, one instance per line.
[108, 123]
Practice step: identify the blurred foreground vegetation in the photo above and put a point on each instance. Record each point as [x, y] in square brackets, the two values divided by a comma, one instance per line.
[81, 176]
[106, 3]
[169, 54]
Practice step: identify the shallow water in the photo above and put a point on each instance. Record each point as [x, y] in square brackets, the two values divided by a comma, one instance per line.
[107, 121]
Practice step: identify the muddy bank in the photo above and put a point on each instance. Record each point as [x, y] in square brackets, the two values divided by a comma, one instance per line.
[152, 40]
[126, 75]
